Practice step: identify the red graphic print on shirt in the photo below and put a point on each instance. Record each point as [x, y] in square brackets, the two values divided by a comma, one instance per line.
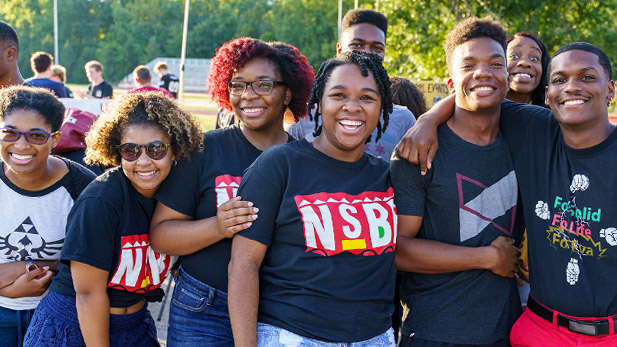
[226, 187]
[140, 269]
[363, 224]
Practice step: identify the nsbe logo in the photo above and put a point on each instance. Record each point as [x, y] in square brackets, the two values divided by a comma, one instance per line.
[140, 268]
[360, 224]
[226, 187]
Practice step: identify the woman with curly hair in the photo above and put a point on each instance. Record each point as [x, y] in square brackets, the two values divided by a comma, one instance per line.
[317, 267]
[37, 191]
[198, 211]
[108, 269]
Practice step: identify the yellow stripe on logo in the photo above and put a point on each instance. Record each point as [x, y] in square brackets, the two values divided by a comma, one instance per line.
[354, 244]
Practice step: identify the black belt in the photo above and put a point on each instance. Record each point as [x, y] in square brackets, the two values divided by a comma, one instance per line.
[595, 328]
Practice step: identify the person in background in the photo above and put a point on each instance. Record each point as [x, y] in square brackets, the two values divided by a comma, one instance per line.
[365, 31]
[58, 74]
[108, 270]
[9, 52]
[41, 66]
[198, 211]
[169, 81]
[528, 60]
[405, 93]
[143, 82]
[38, 191]
[98, 88]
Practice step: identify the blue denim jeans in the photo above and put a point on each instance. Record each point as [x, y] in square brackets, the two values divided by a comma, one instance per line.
[270, 335]
[198, 315]
[13, 326]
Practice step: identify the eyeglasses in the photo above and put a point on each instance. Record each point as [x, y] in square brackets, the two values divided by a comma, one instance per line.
[36, 137]
[156, 150]
[260, 87]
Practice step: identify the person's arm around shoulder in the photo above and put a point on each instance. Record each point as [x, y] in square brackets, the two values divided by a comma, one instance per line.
[175, 233]
[419, 144]
[243, 301]
[92, 303]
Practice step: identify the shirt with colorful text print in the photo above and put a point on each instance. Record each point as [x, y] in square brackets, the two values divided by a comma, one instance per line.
[363, 224]
[140, 269]
[570, 228]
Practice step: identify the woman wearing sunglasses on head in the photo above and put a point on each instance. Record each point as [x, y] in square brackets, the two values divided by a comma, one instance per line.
[109, 270]
[197, 213]
[37, 190]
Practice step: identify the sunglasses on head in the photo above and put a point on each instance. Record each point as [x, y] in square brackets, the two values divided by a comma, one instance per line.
[156, 150]
[37, 137]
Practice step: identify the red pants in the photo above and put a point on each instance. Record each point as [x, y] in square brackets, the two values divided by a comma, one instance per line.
[533, 331]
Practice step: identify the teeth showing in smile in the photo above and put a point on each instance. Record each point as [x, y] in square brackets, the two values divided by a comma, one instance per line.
[253, 109]
[573, 102]
[350, 124]
[22, 157]
[482, 89]
[145, 174]
[522, 75]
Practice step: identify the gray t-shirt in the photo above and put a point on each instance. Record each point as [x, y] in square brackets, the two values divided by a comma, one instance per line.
[468, 198]
[401, 119]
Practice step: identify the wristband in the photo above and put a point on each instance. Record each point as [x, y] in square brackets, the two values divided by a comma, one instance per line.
[31, 266]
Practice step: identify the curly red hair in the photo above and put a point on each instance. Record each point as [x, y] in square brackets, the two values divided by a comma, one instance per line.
[297, 74]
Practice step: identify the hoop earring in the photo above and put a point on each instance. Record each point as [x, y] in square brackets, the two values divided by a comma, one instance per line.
[174, 163]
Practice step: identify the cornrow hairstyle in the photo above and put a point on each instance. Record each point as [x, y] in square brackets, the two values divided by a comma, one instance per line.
[292, 65]
[152, 108]
[8, 34]
[472, 28]
[588, 47]
[367, 62]
[407, 94]
[537, 96]
[39, 100]
[363, 15]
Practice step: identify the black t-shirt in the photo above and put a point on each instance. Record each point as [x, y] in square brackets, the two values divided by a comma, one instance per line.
[330, 228]
[196, 187]
[102, 90]
[570, 212]
[108, 229]
[468, 198]
[171, 83]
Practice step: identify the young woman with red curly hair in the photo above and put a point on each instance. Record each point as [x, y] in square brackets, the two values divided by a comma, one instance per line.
[198, 211]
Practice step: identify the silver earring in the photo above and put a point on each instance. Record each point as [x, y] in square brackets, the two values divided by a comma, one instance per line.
[175, 162]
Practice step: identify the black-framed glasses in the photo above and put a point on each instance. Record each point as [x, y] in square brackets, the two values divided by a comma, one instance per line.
[37, 137]
[156, 150]
[260, 87]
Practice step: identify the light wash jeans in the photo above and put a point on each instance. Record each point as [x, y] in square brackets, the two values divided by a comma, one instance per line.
[270, 335]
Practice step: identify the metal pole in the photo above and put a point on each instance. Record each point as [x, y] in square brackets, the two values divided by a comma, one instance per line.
[340, 18]
[56, 53]
[355, 4]
[183, 53]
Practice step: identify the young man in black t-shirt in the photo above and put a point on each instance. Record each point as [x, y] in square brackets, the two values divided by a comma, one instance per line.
[169, 81]
[457, 225]
[98, 88]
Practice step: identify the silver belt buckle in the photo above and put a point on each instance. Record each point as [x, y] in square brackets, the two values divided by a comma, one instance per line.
[585, 328]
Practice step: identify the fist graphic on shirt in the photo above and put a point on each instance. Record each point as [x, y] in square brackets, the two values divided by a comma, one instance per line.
[610, 235]
[542, 210]
[572, 272]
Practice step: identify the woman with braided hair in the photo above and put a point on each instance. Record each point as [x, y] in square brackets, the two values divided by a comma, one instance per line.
[198, 211]
[318, 264]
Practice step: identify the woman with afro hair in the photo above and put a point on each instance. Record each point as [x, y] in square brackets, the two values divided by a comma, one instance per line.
[198, 211]
[317, 267]
[108, 269]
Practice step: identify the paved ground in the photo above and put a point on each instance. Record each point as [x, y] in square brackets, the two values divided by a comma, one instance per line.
[155, 310]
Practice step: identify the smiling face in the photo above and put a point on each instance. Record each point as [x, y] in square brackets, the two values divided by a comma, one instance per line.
[350, 109]
[145, 173]
[93, 75]
[260, 112]
[524, 65]
[479, 75]
[363, 37]
[578, 89]
[22, 157]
